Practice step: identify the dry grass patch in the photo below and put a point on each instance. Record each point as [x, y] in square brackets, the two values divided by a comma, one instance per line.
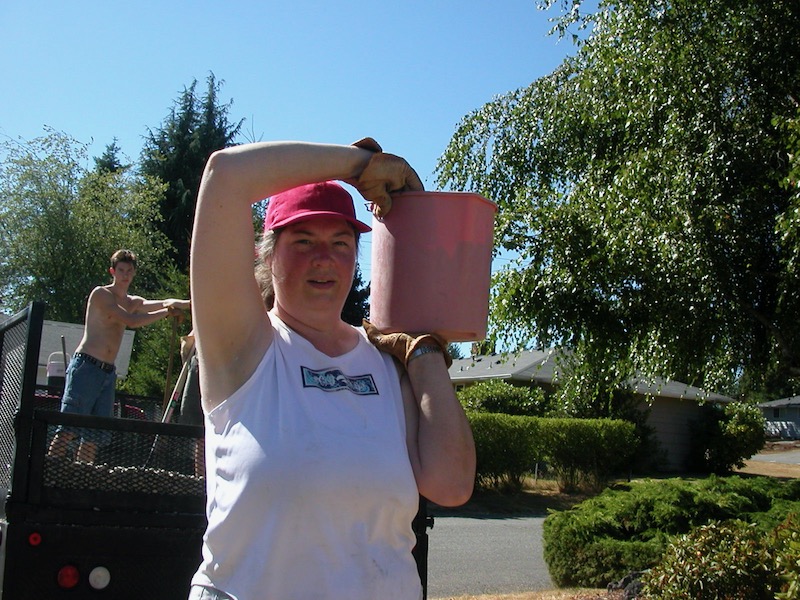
[565, 594]
[535, 499]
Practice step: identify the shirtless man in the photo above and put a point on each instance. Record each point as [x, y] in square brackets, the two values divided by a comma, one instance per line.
[91, 375]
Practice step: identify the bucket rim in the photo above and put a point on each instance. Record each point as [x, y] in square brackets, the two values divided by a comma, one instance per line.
[444, 194]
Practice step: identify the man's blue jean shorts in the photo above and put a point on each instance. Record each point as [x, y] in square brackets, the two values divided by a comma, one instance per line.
[89, 390]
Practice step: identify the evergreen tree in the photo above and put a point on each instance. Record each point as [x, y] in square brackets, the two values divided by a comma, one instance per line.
[356, 307]
[109, 161]
[176, 153]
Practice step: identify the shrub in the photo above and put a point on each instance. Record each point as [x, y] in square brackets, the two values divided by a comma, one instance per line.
[786, 541]
[582, 545]
[575, 561]
[724, 437]
[496, 396]
[718, 560]
[627, 528]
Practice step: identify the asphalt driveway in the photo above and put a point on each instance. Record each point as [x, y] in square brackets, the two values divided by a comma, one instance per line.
[787, 457]
[473, 556]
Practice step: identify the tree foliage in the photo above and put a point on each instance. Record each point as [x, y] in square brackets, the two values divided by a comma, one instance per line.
[176, 153]
[356, 307]
[497, 396]
[110, 161]
[646, 187]
[60, 223]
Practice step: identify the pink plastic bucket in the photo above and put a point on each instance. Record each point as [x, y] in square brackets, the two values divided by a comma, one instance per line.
[431, 265]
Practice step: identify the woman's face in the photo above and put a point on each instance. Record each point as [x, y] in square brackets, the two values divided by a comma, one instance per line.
[314, 263]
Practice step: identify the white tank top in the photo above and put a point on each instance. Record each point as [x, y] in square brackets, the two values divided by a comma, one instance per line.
[310, 489]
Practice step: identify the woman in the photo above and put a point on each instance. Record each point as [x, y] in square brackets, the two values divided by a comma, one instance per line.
[317, 443]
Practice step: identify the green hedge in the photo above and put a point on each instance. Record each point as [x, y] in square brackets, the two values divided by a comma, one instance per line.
[587, 453]
[507, 448]
[579, 452]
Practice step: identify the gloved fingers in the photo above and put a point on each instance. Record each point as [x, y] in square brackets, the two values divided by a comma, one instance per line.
[373, 333]
[380, 201]
[394, 171]
[384, 174]
[368, 143]
[382, 208]
[412, 181]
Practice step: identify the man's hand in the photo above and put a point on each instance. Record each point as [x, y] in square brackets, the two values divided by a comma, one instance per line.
[177, 304]
[402, 345]
[175, 308]
[177, 314]
[383, 175]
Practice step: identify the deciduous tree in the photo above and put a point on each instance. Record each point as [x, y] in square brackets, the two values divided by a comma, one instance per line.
[642, 185]
[60, 223]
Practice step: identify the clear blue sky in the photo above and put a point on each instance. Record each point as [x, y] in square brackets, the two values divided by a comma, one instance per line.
[404, 72]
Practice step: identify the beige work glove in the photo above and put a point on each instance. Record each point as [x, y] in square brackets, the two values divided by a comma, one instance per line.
[402, 345]
[187, 346]
[383, 175]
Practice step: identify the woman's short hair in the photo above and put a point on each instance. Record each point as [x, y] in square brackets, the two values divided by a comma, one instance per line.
[264, 251]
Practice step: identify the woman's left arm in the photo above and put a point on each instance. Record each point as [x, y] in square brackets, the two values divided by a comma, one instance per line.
[439, 436]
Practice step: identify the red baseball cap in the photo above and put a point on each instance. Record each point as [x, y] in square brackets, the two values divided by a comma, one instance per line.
[325, 199]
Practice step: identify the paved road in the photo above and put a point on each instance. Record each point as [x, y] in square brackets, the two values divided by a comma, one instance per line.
[788, 457]
[486, 555]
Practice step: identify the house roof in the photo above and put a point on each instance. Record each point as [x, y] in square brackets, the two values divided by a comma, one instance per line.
[783, 402]
[541, 366]
[524, 367]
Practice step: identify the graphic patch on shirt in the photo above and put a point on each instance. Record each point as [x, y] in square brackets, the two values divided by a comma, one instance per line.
[333, 380]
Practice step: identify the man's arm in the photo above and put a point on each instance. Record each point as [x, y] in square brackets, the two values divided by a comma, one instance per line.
[154, 305]
[103, 300]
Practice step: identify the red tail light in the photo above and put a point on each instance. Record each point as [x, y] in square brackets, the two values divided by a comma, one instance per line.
[68, 577]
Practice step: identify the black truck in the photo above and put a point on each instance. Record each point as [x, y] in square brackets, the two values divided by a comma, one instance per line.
[130, 524]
